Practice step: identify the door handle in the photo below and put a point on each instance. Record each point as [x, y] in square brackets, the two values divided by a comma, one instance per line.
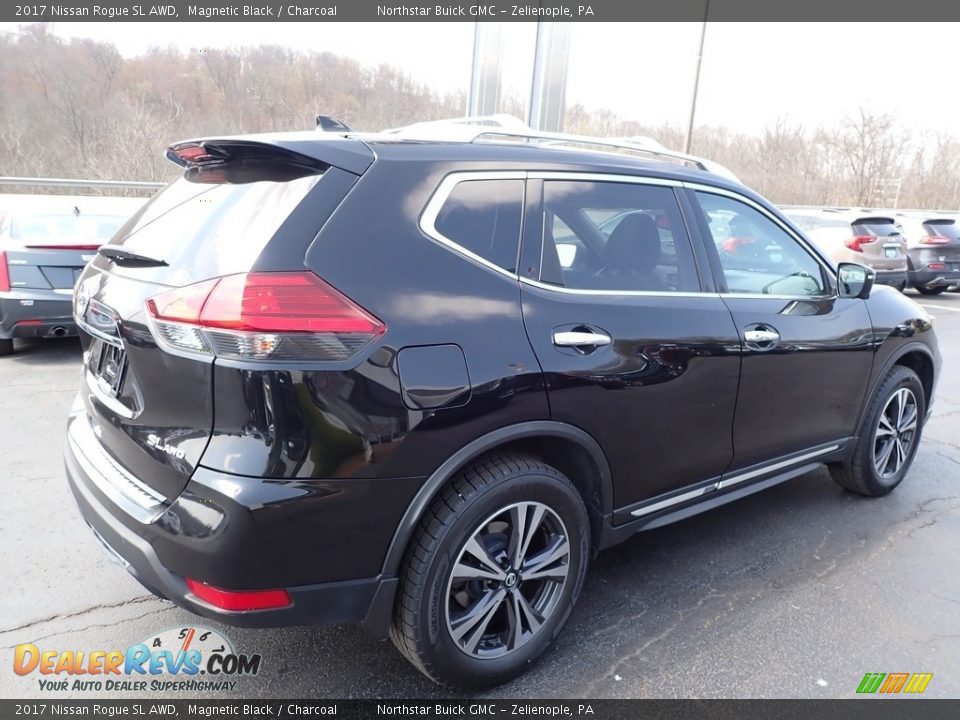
[761, 336]
[575, 338]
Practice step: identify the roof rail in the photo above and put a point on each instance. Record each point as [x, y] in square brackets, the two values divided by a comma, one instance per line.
[472, 129]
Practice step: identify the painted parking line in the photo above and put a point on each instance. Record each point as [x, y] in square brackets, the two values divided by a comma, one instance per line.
[942, 307]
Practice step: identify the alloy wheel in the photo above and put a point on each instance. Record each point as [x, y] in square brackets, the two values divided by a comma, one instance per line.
[507, 580]
[895, 433]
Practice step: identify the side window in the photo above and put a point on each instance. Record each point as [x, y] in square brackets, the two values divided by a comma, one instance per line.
[483, 216]
[615, 236]
[756, 254]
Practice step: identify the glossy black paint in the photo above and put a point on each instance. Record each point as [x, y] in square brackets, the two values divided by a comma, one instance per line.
[307, 475]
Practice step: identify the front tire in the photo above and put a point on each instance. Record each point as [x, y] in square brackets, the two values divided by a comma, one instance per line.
[492, 573]
[6, 347]
[889, 438]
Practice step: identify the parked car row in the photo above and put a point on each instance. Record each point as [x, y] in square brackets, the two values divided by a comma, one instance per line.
[45, 241]
[907, 249]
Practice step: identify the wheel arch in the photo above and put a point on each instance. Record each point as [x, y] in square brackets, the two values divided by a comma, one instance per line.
[916, 356]
[568, 448]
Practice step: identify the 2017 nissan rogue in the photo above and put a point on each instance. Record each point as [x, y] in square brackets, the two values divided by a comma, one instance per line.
[416, 379]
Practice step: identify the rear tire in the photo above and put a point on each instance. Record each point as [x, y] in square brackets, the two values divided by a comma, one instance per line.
[930, 291]
[6, 347]
[468, 613]
[889, 437]
[901, 287]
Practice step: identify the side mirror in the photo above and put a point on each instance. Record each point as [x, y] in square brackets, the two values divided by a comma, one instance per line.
[855, 281]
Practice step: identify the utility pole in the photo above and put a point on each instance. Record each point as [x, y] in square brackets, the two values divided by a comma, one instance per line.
[696, 80]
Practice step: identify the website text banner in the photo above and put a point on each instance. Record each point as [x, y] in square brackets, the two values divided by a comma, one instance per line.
[534, 10]
[477, 708]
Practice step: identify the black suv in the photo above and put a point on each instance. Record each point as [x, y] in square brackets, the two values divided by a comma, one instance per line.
[415, 383]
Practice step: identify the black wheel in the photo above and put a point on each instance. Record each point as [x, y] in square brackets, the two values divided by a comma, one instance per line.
[901, 287]
[6, 347]
[492, 572]
[930, 291]
[889, 438]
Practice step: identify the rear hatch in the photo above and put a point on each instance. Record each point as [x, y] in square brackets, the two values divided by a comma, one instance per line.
[939, 245]
[880, 241]
[147, 383]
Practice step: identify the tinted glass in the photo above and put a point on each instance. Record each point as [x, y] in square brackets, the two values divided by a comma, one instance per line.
[205, 231]
[874, 227]
[756, 254]
[483, 216]
[942, 228]
[615, 236]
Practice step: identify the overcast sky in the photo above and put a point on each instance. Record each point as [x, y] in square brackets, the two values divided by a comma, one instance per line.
[753, 73]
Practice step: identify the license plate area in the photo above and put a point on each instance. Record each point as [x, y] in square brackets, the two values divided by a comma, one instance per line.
[891, 251]
[108, 365]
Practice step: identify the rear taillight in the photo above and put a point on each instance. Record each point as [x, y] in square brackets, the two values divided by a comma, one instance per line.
[935, 266]
[857, 242]
[934, 240]
[263, 316]
[4, 273]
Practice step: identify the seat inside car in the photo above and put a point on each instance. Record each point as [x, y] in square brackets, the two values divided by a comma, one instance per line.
[631, 256]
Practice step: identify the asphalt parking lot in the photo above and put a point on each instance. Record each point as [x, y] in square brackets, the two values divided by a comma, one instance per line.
[794, 592]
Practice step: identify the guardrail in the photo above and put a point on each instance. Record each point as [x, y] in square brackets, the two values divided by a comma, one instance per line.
[76, 183]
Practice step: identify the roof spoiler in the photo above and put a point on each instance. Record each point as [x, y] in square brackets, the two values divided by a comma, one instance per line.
[290, 153]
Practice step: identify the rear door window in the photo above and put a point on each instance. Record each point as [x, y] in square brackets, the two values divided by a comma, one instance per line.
[483, 217]
[203, 231]
[615, 236]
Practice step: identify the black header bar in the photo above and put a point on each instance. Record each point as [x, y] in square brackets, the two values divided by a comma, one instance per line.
[531, 11]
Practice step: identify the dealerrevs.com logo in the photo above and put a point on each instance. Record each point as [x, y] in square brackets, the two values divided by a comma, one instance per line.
[188, 659]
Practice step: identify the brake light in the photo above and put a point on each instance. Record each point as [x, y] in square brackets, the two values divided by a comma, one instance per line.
[88, 246]
[4, 273]
[239, 600]
[260, 316]
[857, 242]
[934, 240]
[936, 266]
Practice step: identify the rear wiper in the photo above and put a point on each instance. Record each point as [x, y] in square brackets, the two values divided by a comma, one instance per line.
[122, 256]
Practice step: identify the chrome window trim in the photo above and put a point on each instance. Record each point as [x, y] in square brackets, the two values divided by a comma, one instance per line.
[639, 293]
[428, 217]
[603, 177]
[804, 243]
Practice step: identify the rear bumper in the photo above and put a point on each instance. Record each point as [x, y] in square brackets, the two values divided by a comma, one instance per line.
[933, 278]
[204, 532]
[36, 313]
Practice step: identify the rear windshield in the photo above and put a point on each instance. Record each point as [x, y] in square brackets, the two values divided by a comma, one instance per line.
[876, 227]
[942, 228]
[66, 226]
[203, 231]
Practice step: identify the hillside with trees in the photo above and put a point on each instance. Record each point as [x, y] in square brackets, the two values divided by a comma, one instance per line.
[79, 109]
